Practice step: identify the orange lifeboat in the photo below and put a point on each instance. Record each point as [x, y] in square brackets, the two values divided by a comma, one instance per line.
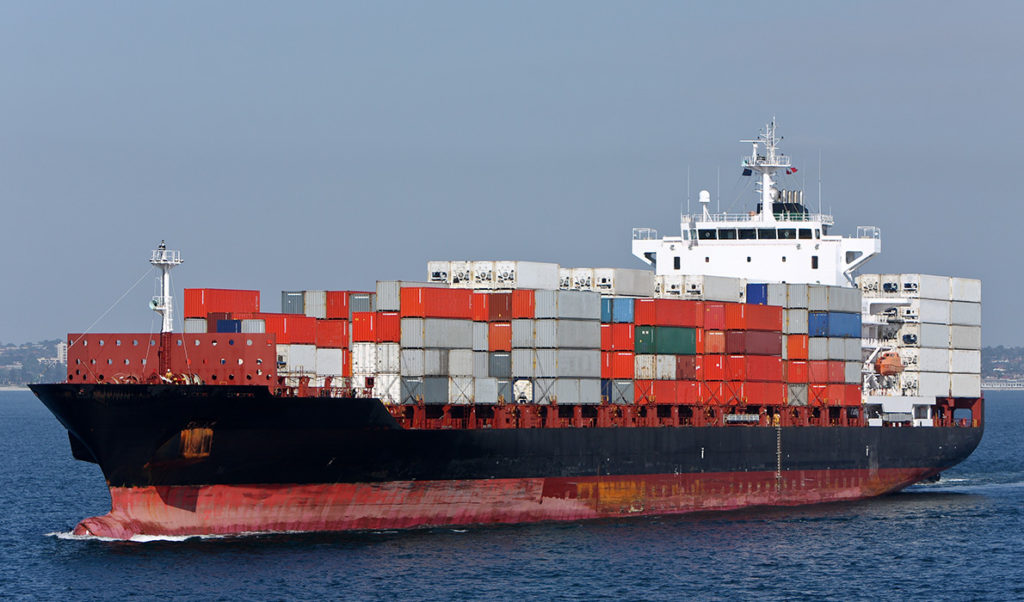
[888, 363]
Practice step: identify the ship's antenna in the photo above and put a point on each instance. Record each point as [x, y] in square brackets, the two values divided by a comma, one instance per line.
[687, 189]
[718, 186]
[819, 181]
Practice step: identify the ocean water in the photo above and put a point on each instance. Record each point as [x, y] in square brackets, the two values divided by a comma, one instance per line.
[959, 539]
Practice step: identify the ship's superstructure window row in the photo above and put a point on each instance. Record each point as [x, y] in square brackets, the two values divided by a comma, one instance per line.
[752, 234]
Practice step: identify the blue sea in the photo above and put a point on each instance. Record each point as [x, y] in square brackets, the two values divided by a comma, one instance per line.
[959, 539]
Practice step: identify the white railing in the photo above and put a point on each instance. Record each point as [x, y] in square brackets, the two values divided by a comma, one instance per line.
[869, 232]
[784, 217]
[165, 256]
[645, 234]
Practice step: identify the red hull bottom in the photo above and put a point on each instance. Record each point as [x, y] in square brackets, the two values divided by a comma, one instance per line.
[234, 509]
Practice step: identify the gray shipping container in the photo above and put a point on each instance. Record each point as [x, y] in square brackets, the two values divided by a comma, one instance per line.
[388, 358]
[522, 333]
[797, 394]
[522, 363]
[623, 392]
[480, 336]
[481, 364]
[435, 362]
[254, 326]
[578, 391]
[578, 363]
[433, 333]
[836, 348]
[505, 391]
[412, 362]
[544, 390]
[362, 302]
[435, 390]
[965, 337]
[794, 321]
[797, 296]
[545, 363]
[461, 390]
[817, 297]
[963, 313]
[195, 325]
[854, 351]
[581, 305]
[817, 348]
[571, 334]
[486, 391]
[500, 364]
[292, 302]
[852, 373]
[412, 390]
[843, 299]
[777, 295]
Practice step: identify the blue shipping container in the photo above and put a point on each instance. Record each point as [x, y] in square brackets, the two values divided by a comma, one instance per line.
[606, 390]
[844, 325]
[229, 326]
[757, 294]
[622, 310]
[606, 310]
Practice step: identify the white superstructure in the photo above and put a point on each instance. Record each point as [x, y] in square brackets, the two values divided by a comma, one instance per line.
[166, 260]
[778, 241]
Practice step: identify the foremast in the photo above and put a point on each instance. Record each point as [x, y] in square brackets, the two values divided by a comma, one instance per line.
[163, 304]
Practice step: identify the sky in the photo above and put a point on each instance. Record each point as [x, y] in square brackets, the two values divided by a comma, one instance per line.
[308, 145]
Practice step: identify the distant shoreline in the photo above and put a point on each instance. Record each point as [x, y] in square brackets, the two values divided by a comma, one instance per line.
[13, 388]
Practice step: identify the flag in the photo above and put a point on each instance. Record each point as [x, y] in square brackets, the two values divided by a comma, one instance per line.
[790, 170]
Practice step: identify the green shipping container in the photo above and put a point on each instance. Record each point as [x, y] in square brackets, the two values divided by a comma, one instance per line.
[665, 340]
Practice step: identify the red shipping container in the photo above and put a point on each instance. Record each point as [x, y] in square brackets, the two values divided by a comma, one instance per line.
[623, 337]
[817, 371]
[736, 367]
[686, 367]
[668, 312]
[644, 313]
[817, 394]
[711, 393]
[346, 363]
[389, 327]
[733, 393]
[712, 367]
[765, 393]
[201, 301]
[214, 316]
[753, 342]
[332, 333]
[748, 316]
[290, 329]
[480, 306]
[836, 372]
[623, 365]
[687, 392]
[606, 364]
[499, 336]
[606, 337]
[796, 371]
[499, 307]
[764, 368]
[714, 341]
[338, 303]
[643, 391]
[796, 346]
[665, 391]
[852, 396]
[437, 303]
[714, 315]
[835, 395]
[364, 326]
[698, 341]
[523, 304]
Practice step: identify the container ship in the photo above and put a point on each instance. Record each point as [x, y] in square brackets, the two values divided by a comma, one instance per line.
[746, 364]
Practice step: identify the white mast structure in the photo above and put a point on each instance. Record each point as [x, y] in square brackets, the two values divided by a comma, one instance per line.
[780, 241]
[165, 260]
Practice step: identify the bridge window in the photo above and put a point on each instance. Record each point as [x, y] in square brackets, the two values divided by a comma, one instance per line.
[787, 233]
[805, 233]
[748, 234]
[707, 234]
[817, 233]
[766, 234]
[675, 262]
[727, 234]
[814, 262]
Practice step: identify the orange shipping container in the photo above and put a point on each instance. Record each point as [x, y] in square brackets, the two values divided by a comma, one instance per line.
[796, 371]
[623, 337]
[714, 341]
[748, 316]
[665, 391]
[606, 337]
[711, 393]
[364, 326]
[643, 391]
[499, 336]
[480, 306]
[388, 327]
[332, 333]
[796, 346]
[836, 372]
[202, 301]
[765, 393]
[687, 392]
[817, 371]
[714, 315]
[623, 365]
[290, 328]
[711, 368]
[437, 303]
[523, 304]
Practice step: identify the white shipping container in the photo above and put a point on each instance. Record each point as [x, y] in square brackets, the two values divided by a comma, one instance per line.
[435, 362]
[590, 391]
[869, 285]
[522, 390]
[439, 271]
[582, 279]
[412, 333]
[578, 363]
[483, 274]
[932, 311]
[567, 391]
[571, 334]
[669, 286]
[794, 321]
[522, 333]
[925, 384]
[645, 366]
[480, 336]
[388, 388]
[890, 285]
[965, 385]
[412, 363]
[845, 299]
[966, 361]
[965, 337]
[923, 335]
[854, 350]
[460, 362]
[965, 289]
[926, 286]
[388, 357]
[301, 359]
[254, 326]
[715, 288]
[665, 367]
[836, 348]
[624, 282]
[817, 348]
[364, 358]
[579, 305]
[485, 390]
[526, 274]
[460, 390]
[777, 294]
[461, 274]
[963, 313]
[544, 390]
[817, 297]
[565, 279]
[796, 296]
[195, 325]
[925, 359]
[546, 303]
[330, 362]
[315, 303]
[852, 373]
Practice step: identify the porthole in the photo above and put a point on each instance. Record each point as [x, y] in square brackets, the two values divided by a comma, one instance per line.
[248, 342]
[135, 342]
[231, 341]
[117, 342]
[127, 362]
[110, 362]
